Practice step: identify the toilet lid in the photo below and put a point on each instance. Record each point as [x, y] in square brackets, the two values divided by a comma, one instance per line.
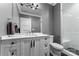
[57, 46]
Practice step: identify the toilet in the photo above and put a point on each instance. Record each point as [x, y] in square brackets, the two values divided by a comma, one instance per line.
[56, 49]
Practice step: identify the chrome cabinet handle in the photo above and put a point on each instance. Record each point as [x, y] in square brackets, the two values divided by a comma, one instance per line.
[34, 43]
[31, 44]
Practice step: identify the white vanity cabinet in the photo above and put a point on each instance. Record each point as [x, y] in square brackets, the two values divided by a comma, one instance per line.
[10, 48]
[25, 47]
[35, 47]
[30, 47]
[35, 50]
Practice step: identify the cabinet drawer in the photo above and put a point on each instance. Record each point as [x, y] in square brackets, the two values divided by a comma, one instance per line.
[10, 42]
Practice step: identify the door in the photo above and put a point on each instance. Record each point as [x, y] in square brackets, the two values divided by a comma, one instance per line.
[35, 51]
[25, 47]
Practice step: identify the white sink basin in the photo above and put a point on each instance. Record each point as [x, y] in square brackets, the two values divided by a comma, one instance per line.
[40, 34]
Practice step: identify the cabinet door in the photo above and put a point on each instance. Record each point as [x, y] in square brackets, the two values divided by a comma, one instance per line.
[25, 47]
[35, 48]
[5, 48]
[10, 48]
[5, 51]
[17, 48]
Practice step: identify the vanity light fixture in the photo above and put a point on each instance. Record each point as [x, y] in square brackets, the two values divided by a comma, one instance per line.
[33, 6]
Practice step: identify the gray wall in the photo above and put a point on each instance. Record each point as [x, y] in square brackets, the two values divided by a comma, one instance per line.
[46, 13]
[47, 18]
[5, 13]
[15, 14]
[51, 20]
[57, 20]
[57, 23]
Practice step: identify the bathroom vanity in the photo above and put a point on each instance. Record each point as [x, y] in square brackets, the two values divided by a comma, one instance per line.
[25, 45]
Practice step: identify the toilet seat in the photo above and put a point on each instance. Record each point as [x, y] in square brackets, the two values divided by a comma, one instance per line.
[56, 46]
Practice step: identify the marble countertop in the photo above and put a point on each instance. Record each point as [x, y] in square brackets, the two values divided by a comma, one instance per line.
[18, 36]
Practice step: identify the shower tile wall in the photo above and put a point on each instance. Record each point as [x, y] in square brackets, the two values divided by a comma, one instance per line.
[70, 24]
